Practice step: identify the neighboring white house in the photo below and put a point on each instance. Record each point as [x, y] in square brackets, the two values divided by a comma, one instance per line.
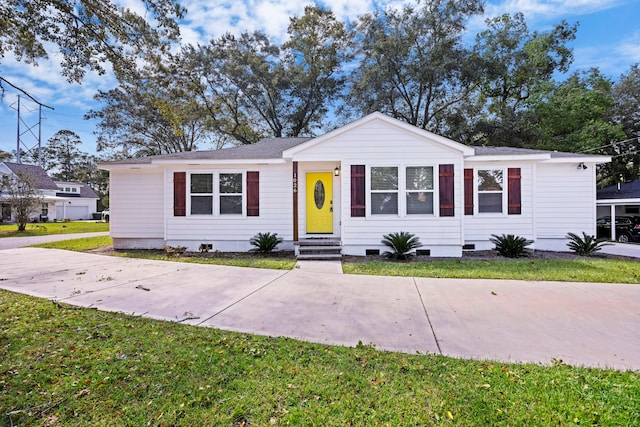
[81, 201]
[374, 176]
[43, 182]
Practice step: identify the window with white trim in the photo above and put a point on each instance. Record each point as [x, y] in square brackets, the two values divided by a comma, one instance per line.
[419, 190]
[201, 194]
[384, 190]
[490, 190]
[230, 193]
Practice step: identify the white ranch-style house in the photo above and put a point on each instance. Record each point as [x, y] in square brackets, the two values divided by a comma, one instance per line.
[354, 184]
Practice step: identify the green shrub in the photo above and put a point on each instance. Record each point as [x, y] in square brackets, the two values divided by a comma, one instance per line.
[586, 245]
[265, 242]
[511, 246]
[401, 245]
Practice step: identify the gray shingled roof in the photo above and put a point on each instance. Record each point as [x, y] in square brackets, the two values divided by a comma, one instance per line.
[272, 148]
[628, 190]
[505, 151]
[85, 190]
[42, 180]
[268, 148]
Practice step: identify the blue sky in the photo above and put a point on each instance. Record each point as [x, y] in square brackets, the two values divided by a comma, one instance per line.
[608, 38]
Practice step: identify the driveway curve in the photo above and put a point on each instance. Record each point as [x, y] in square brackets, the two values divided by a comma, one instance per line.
[586, 324]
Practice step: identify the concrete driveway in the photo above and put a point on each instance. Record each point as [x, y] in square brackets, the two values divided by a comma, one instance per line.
[586, 324]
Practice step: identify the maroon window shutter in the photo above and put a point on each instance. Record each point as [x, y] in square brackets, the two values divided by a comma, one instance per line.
[468, 191]
[514, 195]
[253, 193]
[446, 190]
[179, 194]
[357, 191]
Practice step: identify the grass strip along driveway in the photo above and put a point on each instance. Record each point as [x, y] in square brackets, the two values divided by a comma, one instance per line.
[60, 365]
[581, 269]
[46, 228]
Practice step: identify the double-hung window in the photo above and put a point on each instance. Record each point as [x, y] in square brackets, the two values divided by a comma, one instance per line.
[384, 190]
[217, 194]
[230, 193]
[419, 190]
[201, 194]
[490, 190]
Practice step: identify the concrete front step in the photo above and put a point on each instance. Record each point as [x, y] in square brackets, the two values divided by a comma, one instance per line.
[319, 249]
[320, 257]
[319, 242]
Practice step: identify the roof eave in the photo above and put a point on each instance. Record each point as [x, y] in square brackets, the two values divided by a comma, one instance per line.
[618, 201]
[580, 159]
[507, 157]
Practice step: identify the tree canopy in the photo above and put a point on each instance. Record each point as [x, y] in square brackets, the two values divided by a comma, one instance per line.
[508, 86]
[88, 34]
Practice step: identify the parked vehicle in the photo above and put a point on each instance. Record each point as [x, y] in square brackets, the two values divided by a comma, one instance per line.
[105, 215]
[627, 228]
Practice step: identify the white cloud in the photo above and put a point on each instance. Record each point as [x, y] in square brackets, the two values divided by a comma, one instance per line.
[545, 9]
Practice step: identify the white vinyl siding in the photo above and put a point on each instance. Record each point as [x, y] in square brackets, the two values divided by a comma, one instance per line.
[565, 200]
[479, 227]
[136, 203]
[381, 144]
[233, 230]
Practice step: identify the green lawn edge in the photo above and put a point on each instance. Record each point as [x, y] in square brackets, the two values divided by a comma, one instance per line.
[586, 269]
[60, 365]
[48, 228]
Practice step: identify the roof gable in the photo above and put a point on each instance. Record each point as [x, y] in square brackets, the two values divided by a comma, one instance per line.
[387, 121]
[42, 180]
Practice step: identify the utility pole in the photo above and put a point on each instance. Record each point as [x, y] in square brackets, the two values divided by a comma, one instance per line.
[19, 141]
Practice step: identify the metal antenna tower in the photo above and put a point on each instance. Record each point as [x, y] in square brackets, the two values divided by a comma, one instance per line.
[29, 128]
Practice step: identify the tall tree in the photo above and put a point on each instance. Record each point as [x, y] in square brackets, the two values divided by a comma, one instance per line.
[515, 63]
[21, 193]
[413, 64]
[626, 112]
[61, 154]
[151, 112]
[575, 115]
[253, 88]
[87, 33]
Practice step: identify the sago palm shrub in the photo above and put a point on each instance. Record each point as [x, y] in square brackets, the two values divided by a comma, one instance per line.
[511, 246]
[265, 242]
[402, 244]
[586, 245]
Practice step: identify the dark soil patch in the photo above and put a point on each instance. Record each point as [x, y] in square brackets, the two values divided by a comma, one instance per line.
[491, 255]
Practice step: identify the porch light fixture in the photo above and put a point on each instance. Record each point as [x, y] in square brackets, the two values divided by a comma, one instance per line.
[336, 171]
[582, 166]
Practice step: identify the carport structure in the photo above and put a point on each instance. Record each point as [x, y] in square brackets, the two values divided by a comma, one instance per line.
[619, 199]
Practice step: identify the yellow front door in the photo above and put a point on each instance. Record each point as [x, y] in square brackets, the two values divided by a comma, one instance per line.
[320, 202]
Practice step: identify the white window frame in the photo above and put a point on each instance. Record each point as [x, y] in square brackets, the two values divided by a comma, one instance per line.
[242, 194]
[433, 191]
[370, 191]
[215, 193]
[476, 191]
[401, 191]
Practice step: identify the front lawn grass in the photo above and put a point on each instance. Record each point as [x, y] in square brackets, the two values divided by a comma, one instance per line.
[46, 228]
[82, 244]
[564, 270]
[61, 365]
[274, 261]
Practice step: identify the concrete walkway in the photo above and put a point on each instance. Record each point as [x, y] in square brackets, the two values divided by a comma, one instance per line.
[515, 321]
